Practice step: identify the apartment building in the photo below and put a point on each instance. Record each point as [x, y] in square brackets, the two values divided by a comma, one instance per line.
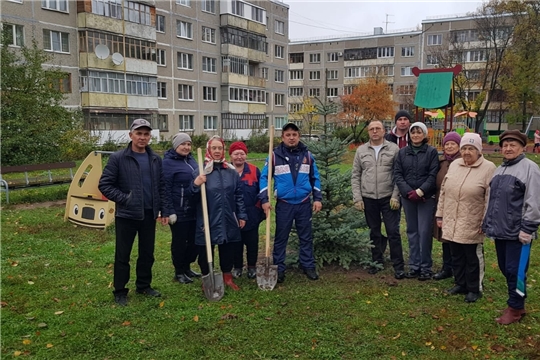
[214, 66]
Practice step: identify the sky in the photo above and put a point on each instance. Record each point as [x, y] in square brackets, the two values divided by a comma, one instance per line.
[319, 19]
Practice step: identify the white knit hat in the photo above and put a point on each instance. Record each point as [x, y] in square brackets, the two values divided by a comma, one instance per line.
[471, 139]
[420, 125]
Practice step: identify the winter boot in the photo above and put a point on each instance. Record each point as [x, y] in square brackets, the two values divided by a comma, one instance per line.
[228, 280]
[510, 315]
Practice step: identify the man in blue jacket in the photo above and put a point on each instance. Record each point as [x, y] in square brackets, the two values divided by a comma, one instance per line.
[296, 181]
[133, 179]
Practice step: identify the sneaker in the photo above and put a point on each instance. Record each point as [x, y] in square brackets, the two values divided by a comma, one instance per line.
[472, 297]
[252, 273]
[149, 292]
[412, 274]
[121, 299]
[425, 275]
[399, 275]
[311, 274]
[236, 273]
[457, 290]
[280, 276]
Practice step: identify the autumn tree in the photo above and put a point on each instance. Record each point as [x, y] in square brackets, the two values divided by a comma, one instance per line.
[307, 114]
[370, 99]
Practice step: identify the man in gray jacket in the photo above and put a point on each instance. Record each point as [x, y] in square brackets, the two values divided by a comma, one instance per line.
[375, 193]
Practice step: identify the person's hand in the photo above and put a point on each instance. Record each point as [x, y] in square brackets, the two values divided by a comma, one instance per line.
[165, 221]
[525, 238]
[241, 223]
[172, 219]
[394, 204]
[266, 208]
[419, 192]
[317, 206]
[413, 196]
[359, 205]
[199, 180]
[439, 222]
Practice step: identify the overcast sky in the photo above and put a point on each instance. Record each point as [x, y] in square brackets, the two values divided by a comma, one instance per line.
[319, 19]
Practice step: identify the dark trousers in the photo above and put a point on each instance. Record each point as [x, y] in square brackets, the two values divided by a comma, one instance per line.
[301, 215]
[250, 239]
[126, 230]
[226, 254]
[374, 209]
[508, 255]
[419, 218]
[183, 249]
[447, 257]
[469, 265]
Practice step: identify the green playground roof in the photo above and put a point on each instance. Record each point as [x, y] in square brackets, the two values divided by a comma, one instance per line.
[434, 90]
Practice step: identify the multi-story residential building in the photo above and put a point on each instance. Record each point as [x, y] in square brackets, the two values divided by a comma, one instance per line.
[214, 66]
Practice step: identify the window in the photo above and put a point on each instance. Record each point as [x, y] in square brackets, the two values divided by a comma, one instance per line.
[407, 51]
[63, 84]
[386, 70]
[473, 95]
[385, 52]
[208, 64]
[209, 6]
[257, 14]
[208, 35]
[315, 58]
[184, 29]
[296, 75]
[141, 85]
[243, 38]
[348, 90]
[476, 55]
[279, 27]
[185, 92]
[209, 93]
[264, 73]
[247, 95]
[160, 23]
[279, 76]
[58, 5]
[137, 13]
[135, 48]
[314, 92]
[360, 71]
[280, 121]
[101, 81]
[184, 2]
[185, 61]
[315, 75]
[237, 7]
[434, 39]
[109, 8]
[162, 90]
[432, 60]
[210, 122]
[279, 99]
[296, 107]
[296, 58]
[161, 57]
[332, 92]
[279, 50]
[14, 34]
[406, 71]
[185, 122]
[360, 54]
[473, 75]
[332, 57]
[56, 41]
[406, 90]
[296, 91]
[332, 75]
[234, 65]
[163, 122]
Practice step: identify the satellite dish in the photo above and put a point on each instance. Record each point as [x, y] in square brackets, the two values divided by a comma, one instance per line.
[117, 58]
[102, 51]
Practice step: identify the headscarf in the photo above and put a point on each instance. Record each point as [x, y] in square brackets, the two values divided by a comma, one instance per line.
[210, 161]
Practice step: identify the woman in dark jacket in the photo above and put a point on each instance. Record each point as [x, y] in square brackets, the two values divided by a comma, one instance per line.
[249, 175]
[415, 175]
[178, 168]
[226, 211]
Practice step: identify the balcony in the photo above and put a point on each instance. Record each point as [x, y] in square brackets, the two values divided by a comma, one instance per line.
[245, 24]
[243, 52]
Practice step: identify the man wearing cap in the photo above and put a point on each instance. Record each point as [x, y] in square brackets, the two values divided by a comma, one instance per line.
[512, 217]
[296, 182]
[400, 133]
[133, 179]
[179, 168]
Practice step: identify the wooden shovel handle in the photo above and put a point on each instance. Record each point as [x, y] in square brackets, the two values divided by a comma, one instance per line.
[269, 187]
[205, 209]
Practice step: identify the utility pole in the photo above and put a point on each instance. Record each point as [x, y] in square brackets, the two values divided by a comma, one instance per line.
[386, 23]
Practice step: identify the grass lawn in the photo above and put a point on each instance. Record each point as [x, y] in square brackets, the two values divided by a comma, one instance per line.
[57, 304]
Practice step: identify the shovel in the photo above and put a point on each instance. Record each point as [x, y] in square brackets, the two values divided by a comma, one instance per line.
[267, 274]
[212, 283]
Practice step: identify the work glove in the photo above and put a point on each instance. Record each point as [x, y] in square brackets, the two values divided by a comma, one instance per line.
[172, 219]
[420, 192]
[525, 238]
[394, 204]
[413, 196]
[359, 205]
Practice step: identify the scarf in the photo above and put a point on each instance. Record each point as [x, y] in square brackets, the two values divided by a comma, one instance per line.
[209, 161]
[451, 158]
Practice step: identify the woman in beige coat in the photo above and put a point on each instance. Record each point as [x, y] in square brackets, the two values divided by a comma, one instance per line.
[462, 204]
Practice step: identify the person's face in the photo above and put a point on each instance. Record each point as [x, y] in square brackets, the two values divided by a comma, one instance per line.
[417, 136]
[403, 123]
[511, 149]
[140, 138]
[469, 154]
[184, 148]
[290, 137]
[216, 150]
[238, 158]
[376, 131]
[451, 148]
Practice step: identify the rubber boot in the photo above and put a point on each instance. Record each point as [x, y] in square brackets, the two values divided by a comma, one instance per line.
[510, 315]
[228, 280]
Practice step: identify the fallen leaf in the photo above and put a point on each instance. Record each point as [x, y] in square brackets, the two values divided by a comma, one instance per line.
[432, 347]
[196, 318]
[497, 348]
[42, 325]
[49, 346]
[3, 303]
[14, 263]
[229, 316]
[474, 347]
[428, 343]
[268, 318]
[396, 337]
[434, 317]
[56, 299]
[161, 304]
[126, 323]
[27, 342]
[368, 302]
[30, 282]
[403, 353]
[440, 328]
[443, 347]
[58, 313]
[17, 353]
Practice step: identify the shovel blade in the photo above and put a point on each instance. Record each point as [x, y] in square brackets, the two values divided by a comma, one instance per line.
[213, 286]
[267, 276]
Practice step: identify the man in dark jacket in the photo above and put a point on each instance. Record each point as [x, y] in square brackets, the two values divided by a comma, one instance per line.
[296, 182]
[400, 133]
[133, 179]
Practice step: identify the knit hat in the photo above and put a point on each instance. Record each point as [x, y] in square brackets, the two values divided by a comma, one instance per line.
[514, 135]
[238, 145]
[452, 136]
[420, 125]
[402, 113]
[471, 139]
[180, 138]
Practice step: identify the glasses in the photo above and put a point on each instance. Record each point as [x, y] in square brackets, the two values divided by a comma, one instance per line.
[375, 129]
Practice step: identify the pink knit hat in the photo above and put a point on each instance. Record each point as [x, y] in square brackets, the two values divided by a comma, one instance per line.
[471, 139]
